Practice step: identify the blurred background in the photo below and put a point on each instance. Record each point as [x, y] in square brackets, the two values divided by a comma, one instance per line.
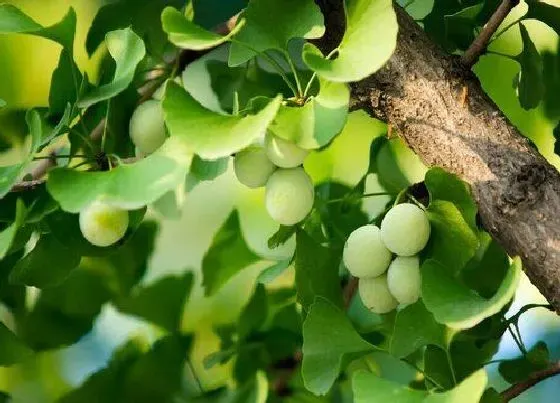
[25, 70]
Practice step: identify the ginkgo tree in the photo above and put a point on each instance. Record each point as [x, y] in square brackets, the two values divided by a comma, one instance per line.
[427, 281]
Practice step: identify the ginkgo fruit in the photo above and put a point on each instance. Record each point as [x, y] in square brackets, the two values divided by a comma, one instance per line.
[289, 195]
[252, 167]
[405, 230]
[284, 153]
[147, 127]
[365, 254]
[102, 224]
[404, 280]
[374, 293]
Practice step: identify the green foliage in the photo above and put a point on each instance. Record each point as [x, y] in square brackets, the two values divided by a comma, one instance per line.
[228, 255]
[306, 340]
[356, 58]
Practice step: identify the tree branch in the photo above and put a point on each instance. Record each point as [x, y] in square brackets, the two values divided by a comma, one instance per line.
[419, 93]
[515, 390]
[479, 45]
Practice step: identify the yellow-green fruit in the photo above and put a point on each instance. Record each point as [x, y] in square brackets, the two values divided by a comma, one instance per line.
[289, 195]
[284, 153]
[405, 230]
[147, 127]
[404, 280]
[365, 254]
[252, 167]
[375, 294]
[103, 225]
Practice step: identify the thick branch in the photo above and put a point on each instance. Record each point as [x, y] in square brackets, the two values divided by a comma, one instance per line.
[470, 57]
[420, 92]
[515, 390]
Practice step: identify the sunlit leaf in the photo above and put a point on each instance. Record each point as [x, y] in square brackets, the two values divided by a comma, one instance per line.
[358, 56]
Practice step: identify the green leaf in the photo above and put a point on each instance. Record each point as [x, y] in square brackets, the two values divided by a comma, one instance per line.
[544, 12]
[128, 186]
[161, 303]
[330, 342]
[491, 395]
[551, 76]
[556, 133]
[357, 56]
[317, 122]
[210, 13]
[415, 327]
[254, 314]
[368, 387]
[228, 255]
[530, 89]
[460, 26]
[9, 175]
[272, 272]
[13, 20]
[144, 16]
[452, 242]
[254, 390]
[48, 264]
[457, 306]
[208, 170]
[520, 369]
[207, 133]
[283, 235]
[127, 49]
[443, 185]
[7, 235]
[316, 272]
[12, 349]
[290, 19]
[64, 89]
[187, 35]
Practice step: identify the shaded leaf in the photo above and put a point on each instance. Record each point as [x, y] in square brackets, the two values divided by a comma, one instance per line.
[208, 170]
[161, 303]
[329, 343]
[530, 89]
[12, 349]
[357, 55]
[227, 256]
[544, 12]
[207, 133]
[272, 272]
[254, 314]
[520, 369]
[8, 234]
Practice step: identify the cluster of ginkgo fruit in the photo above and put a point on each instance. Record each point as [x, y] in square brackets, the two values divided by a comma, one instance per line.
[104, 224]
[384, 282]
[277, 165]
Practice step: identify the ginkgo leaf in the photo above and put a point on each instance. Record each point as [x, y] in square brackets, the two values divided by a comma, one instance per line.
[209, 134]
[530, 88]
[357, 55]
[127, 49]
[187, 35]
[270, 24]
[129, 186]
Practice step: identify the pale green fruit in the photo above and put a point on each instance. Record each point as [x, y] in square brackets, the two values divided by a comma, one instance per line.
[103, 225]
[375, 294]
[283, 153]
[404, 280]
[147, 127]
[405, 230]
[252, 167]
[365, 254]
[289, 195]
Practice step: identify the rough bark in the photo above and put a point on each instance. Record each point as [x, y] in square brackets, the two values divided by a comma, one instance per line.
[420, 92]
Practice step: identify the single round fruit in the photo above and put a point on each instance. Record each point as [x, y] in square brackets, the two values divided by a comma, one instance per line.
[405, 230]
[289, 195]
[375, 294]
[252, 167]
[147, 127]
[365, 254]
[404, 280]
[103, 225]
[283, 153]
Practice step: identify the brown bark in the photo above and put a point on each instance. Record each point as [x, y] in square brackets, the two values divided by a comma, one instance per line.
[420, 92]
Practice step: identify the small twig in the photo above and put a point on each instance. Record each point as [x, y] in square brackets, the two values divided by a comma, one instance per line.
[349, 291]
[515, 390]
[471, 55]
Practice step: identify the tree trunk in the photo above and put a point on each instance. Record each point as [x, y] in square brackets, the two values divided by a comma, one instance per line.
[420, 93]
